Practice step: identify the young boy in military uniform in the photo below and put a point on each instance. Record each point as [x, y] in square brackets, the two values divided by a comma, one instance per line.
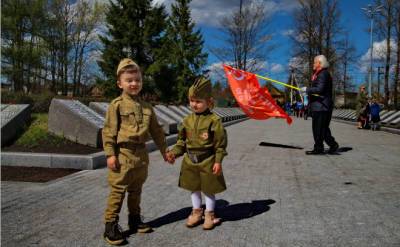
[202, 140]
[128, 123]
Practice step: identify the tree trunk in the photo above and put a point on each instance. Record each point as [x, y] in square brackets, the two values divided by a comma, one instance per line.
[344, 82]
[397, 67]
[75, 72]
[388, 51]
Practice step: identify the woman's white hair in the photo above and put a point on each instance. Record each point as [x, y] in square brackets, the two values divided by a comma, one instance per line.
[323, 61]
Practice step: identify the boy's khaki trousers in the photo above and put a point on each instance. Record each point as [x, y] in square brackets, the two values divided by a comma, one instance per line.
[126, 179]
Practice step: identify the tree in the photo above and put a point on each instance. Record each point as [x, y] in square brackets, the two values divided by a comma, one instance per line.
[385, 23]
[317, 31]
[247, 42]
[397, 65]
[21, 30]
[37, 41]
[135, 30]
[186, 47]
[346, 57]
[85, 22]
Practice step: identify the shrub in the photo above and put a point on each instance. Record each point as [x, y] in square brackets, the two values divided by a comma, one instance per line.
[16, 98]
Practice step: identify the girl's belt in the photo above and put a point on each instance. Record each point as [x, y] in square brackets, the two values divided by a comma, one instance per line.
[199, 157]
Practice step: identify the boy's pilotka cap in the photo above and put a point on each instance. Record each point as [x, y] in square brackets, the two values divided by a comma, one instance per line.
[201, 88]
[126, 62]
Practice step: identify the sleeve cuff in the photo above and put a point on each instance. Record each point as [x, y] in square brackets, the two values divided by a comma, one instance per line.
[163, 149]
[109, 152]
[219, 157]
[177, 151]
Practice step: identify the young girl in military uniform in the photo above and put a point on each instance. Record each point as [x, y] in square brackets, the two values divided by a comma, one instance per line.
[202, 141]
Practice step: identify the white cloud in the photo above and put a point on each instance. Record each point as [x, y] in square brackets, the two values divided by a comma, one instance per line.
[300, 37]
[210, 12]
[277, 68]
[289, 32]
[216, 72]
[378, 55]
[297, 63]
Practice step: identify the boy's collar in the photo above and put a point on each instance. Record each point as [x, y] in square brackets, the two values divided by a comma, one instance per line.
[130, 97]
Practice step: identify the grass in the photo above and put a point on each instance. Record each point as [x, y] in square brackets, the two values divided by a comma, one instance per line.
[36, 133]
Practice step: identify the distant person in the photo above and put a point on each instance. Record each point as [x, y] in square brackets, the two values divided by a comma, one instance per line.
[128, 122]
[202, 141]
[375, 118]
[299, 107]
[321, 105]
[361, 107]
[288, 108]
[294, 108]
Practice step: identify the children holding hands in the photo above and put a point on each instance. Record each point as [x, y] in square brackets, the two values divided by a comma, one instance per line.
[129, 121]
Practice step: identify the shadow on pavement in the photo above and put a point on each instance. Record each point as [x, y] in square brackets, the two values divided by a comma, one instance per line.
[342, 150]
[181, 214]
[223, 210]
[269, 144]
[241, 211]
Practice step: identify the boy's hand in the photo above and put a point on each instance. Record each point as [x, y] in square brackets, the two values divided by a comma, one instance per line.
[217, 169]
[112, 163]
[170, 157]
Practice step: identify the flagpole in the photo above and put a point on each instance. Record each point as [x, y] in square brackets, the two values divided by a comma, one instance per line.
[284, 84]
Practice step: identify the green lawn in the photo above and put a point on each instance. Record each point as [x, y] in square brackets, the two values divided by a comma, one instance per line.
[36, 133]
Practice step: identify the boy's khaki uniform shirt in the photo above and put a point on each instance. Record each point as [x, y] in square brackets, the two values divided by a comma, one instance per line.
[126, 129]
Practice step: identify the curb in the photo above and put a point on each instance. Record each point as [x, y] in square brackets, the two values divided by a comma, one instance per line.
[383, 128]
[82, 162]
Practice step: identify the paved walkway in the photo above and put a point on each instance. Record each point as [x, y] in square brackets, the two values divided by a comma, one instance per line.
[276, 196]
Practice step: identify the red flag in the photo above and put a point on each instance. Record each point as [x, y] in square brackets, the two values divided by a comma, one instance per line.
[255, 101]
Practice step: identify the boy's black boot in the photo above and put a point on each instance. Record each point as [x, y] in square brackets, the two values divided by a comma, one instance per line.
[136, 224]
[113, 233]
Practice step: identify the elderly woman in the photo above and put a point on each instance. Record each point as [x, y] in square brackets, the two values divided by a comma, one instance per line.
[361, 108]
[321, 106]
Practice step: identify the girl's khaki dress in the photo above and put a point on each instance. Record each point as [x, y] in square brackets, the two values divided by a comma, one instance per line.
[202, 140]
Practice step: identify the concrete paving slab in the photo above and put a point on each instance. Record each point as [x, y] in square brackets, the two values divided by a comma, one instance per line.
[391, 118]
[276, 196]
[178, 110]
[76, 122]
[170, 125]
[387, 114]
[185, 109]
[99, 107]
[13, 119]
[169, 113]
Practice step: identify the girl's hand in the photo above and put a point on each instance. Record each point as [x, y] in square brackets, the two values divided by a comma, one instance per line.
[217, 169]
[112, 163]
[170, 157]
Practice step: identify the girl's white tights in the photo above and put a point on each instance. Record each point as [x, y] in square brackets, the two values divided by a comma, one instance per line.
[196, 200]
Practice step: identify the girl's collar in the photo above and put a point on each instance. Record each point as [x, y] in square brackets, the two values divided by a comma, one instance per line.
[206, 112]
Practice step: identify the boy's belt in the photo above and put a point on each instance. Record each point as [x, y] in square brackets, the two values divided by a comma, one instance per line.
[129, 145]
[199, 157]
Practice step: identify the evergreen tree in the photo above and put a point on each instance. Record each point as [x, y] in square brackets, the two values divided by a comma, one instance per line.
[135, 31]
[21, 30]
[186, 47]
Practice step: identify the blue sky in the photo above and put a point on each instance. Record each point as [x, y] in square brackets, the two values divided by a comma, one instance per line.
[206, 14]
